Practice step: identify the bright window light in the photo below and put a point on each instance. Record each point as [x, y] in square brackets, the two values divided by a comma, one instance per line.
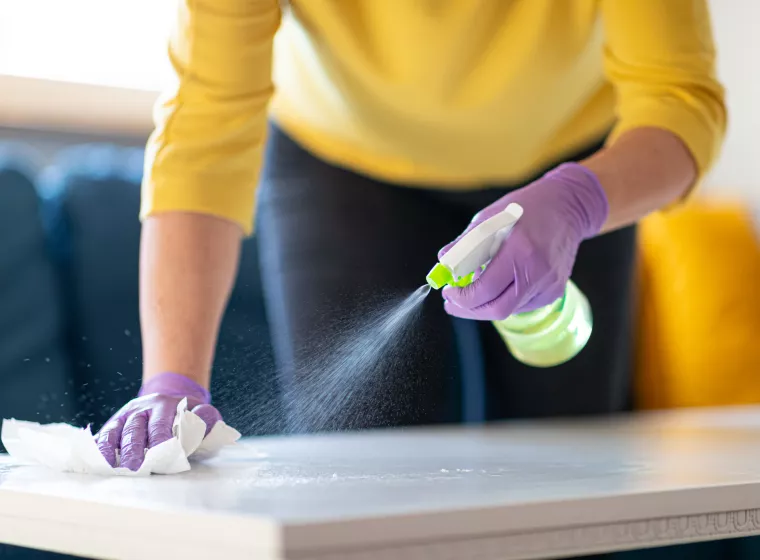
[100, 42]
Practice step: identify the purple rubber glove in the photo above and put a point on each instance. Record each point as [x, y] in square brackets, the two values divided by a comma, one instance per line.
[532, 266]
[147, 420]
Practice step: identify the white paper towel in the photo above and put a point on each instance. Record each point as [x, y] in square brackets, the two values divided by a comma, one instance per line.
[63, 447]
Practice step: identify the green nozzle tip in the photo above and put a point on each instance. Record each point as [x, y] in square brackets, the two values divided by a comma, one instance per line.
[439, 276]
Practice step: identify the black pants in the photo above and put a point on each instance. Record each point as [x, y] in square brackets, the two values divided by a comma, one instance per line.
[331, 239]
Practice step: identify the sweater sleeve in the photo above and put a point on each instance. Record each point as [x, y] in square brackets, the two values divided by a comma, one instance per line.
[660, 58]
[206, 151]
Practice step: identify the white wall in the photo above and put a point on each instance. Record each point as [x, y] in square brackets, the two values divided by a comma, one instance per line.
[737, 31]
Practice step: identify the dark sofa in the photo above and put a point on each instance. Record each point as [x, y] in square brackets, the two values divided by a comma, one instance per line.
[69, 326]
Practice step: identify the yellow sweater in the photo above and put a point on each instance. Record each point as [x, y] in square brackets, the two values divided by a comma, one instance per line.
[443, 93]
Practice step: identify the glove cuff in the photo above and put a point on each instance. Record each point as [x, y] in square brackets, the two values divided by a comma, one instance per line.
[175, 385]
[593, 205]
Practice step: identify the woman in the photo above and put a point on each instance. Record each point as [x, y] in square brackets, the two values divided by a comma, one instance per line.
[394, 122]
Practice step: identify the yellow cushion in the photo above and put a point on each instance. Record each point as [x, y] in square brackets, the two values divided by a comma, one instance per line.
[698, 308]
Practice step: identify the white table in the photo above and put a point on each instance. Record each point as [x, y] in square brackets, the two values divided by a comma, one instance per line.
[515, 491]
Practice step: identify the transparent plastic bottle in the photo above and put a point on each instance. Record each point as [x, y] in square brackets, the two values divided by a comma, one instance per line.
[551, 335]
[545, 337]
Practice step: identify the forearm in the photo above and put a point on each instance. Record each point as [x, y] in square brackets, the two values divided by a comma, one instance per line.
[644, 170]
[188, 264]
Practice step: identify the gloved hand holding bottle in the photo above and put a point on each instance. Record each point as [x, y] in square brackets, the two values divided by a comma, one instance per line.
[147, 421]
[533, 264]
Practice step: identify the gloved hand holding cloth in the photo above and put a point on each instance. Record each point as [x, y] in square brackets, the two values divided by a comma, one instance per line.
[147, 421]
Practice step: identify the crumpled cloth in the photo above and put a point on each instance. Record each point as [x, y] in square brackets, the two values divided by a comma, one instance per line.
[66, 448]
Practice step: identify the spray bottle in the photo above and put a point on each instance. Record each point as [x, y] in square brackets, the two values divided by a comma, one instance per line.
[546, 337]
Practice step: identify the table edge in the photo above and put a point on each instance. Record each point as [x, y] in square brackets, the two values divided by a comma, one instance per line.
[311, 538]
[528, 545]
[563, 542]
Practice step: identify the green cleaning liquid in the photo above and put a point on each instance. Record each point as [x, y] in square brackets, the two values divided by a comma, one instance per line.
[551, 335]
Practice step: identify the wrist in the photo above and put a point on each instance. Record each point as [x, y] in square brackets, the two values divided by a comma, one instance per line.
[175, 385]
[590, 199]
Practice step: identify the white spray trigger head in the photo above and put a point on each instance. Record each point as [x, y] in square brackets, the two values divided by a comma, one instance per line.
[481, 243]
